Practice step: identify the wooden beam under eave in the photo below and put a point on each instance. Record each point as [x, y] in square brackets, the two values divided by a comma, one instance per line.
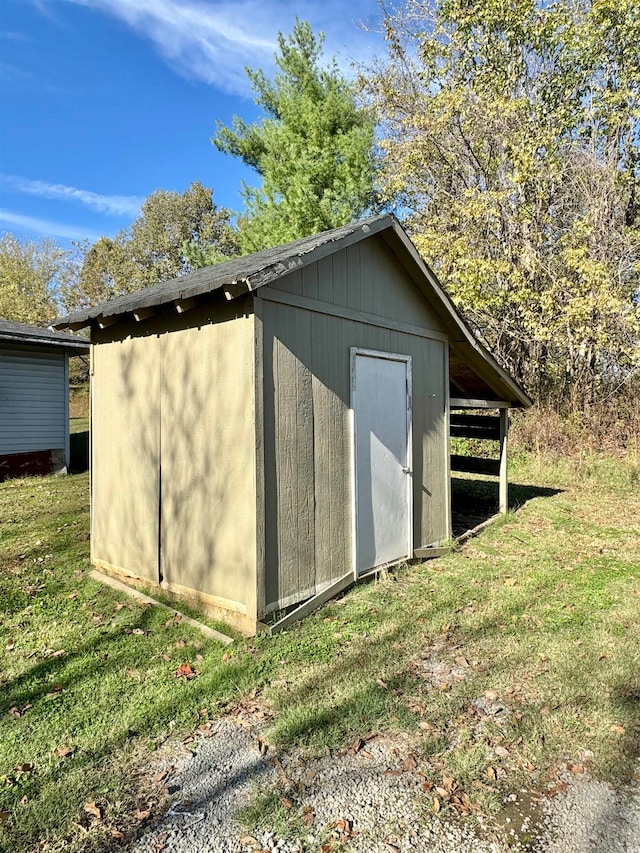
[183, 305]
[463, 403]
[143, 314]
[105, 322]
[233, 291]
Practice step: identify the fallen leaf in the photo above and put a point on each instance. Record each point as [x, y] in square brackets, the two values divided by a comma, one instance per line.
[64, 751]
[410, 762]
[163, 775]
[55, 691]
[138, 631]
[448, 782]
[576, 769]
[25, 768]
[186, 671]
[10, 645]
[462, 661]
[248, 839]
[93, 809]
[500, 750]
[115, 833]
[617, 729]
[435, 806]
[142, 814]
[511, 581]
[492, 773]
[308, 816]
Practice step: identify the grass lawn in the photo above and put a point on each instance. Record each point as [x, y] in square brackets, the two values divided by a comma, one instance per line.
[78, 424]
[508, 658]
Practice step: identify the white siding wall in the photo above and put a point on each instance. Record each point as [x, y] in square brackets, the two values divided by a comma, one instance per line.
[33, 400]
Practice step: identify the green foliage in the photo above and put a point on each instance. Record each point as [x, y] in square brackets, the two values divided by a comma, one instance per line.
[30, 274]
[512, 148]
[314, 149]
[173, 234]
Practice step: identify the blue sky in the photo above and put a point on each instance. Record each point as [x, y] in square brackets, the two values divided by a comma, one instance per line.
[105, 101]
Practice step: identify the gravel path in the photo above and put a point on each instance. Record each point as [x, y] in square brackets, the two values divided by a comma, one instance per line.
[590, 817]
[356, 800]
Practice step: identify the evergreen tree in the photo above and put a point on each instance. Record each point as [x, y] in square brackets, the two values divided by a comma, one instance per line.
[314, 148]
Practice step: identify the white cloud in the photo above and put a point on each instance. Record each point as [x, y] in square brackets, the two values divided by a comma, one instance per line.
[215, 41]
[46, 227]
[113, 205]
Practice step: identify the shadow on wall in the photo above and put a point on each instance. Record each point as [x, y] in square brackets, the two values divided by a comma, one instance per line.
[166, 469]
[476, 501]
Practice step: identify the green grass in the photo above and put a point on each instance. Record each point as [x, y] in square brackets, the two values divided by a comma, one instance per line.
[540, 611]
[78, 424]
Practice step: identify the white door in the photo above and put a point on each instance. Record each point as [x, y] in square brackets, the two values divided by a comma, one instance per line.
[381, 403]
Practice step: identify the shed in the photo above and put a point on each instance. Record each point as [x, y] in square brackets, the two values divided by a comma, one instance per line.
[34, 398]
[271, 428]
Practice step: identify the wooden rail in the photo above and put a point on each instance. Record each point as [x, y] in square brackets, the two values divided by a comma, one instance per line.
[494, 428]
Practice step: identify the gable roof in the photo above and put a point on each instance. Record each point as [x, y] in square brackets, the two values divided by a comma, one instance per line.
[248, 273]
[11, 332]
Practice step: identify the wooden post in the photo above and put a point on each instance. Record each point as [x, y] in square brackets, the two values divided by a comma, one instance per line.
[504, 474]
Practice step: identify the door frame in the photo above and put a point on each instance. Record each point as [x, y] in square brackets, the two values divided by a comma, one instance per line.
[385, 356]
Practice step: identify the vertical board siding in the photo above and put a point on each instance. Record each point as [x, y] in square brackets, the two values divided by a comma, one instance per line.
[33, 400]
[308, 437]
[208, 459]
[126, 455]
[364, 277]
[174, 494]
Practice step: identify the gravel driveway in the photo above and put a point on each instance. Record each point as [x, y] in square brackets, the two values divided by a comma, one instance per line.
[368, 802]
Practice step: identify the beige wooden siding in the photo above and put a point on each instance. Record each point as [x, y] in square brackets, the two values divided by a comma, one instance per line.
[365, 277]
[125, 455]
[208, 460]
[174, 453]
[307, 445]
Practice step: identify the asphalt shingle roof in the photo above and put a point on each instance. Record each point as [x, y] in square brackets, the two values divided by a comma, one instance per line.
[254, 270]
[23, 333]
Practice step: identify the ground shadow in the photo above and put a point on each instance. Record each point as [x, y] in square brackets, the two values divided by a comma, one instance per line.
[474, 501]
